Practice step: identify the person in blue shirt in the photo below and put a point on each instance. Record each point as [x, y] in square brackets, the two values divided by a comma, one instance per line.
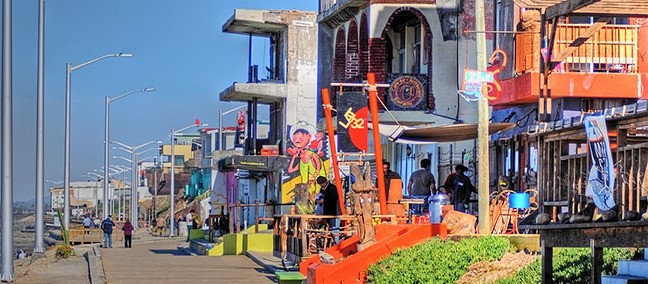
[107, 228]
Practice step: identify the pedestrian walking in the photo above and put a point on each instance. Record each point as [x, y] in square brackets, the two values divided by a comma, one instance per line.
[107, 228]
[128, 233]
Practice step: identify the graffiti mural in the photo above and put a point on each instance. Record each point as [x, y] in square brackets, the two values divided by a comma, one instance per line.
[307, 149]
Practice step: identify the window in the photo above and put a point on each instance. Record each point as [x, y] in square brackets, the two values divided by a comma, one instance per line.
[416, 48]
[401, 51]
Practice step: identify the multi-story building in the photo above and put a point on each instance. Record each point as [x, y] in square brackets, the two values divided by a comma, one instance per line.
[421, 50]
[286, 85]
[560, 66]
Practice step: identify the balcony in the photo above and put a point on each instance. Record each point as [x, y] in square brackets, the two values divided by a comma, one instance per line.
[605, 66]
[336, 12]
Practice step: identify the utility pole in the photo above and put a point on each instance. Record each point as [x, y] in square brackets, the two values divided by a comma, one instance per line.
[482, 129]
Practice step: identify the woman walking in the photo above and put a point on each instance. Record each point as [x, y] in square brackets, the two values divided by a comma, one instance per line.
[128, 233]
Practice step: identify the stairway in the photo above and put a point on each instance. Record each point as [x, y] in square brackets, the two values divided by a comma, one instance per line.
[630, 271]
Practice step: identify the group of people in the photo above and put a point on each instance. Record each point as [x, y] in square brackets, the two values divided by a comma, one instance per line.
[107, 226]
[457, 186]
[421, 185]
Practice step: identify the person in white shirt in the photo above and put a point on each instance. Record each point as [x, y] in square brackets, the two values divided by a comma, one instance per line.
[189, 217]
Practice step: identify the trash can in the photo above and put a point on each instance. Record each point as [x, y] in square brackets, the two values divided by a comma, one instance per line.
[436, 203]
[182, 229]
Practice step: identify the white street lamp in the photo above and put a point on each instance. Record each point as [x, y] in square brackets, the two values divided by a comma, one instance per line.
[221, 135]
[173, 134]
[68, 105]
[133, 160]
[107, 135]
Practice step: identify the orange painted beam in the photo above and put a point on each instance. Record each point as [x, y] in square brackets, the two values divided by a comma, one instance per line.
[326, 101]
[373, 107]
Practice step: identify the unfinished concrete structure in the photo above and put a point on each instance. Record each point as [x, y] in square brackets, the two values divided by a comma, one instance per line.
[290, 89]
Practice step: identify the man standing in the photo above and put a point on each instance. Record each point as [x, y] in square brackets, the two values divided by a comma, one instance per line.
[421, 184]
[389, 175]
[461, 188]
[189, 217]
[331, 204]
[331, 198]
[107, 228]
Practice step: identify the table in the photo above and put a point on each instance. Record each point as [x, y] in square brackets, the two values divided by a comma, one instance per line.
[408, 202]
[596, 236]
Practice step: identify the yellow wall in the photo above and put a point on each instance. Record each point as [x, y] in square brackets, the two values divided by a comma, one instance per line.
[184, 150]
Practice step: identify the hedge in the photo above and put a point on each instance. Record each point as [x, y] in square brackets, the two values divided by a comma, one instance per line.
[437, 261]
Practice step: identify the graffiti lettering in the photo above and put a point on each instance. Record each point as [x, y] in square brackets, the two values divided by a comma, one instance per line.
[352, 120]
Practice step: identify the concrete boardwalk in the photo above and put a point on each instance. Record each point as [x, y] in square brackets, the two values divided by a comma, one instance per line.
[162, 262]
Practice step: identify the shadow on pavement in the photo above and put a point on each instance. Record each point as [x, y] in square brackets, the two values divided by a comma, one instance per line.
[168, 251]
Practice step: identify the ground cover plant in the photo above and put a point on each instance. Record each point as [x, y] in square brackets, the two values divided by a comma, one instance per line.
[573, 266]
[437, 261]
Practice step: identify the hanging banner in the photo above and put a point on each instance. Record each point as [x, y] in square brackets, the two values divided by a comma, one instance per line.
[352, 113]
[600, 181]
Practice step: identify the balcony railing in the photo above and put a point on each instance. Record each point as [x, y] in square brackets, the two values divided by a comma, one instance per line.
[326, 4]
[613, 49]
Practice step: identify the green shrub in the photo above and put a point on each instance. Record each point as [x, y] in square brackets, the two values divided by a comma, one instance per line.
[572, 265]
[437, 261]
[65, 251]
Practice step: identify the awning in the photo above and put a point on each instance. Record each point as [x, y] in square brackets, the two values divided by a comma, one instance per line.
[433, 134]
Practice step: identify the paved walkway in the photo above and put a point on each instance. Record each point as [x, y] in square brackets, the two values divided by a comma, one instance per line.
[161, 262]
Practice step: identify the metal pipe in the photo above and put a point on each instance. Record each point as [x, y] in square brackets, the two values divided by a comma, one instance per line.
[326, 101]
[7, 155]
[39, 243]
[106, 151]
[134, 185]
[66, 151]
[172, 186]
[373, 104]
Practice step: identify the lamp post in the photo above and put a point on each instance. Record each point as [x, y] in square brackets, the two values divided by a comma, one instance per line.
[68, 103]
[121, 197]
[39, 242]
[107, 135]
[133, 151]
[7, 267]
[221, 143]
[173, 134]
[99, 178]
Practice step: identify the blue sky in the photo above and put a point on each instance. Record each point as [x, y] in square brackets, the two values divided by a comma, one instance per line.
[179, 49]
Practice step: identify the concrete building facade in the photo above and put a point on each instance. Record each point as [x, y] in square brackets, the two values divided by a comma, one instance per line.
[417, 45]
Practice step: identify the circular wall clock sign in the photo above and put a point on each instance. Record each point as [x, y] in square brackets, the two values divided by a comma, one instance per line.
[406, 91]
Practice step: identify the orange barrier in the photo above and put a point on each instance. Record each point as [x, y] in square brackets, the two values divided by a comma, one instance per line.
[352, 265]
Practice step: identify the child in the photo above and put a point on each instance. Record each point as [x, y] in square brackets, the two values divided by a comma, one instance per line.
[319, 204]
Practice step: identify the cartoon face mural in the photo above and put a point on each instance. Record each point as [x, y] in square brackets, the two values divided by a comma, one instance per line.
[307, 151]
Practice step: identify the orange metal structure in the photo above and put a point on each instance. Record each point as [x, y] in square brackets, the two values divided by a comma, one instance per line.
[352, 265]
[326, 101]
[380, 174]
